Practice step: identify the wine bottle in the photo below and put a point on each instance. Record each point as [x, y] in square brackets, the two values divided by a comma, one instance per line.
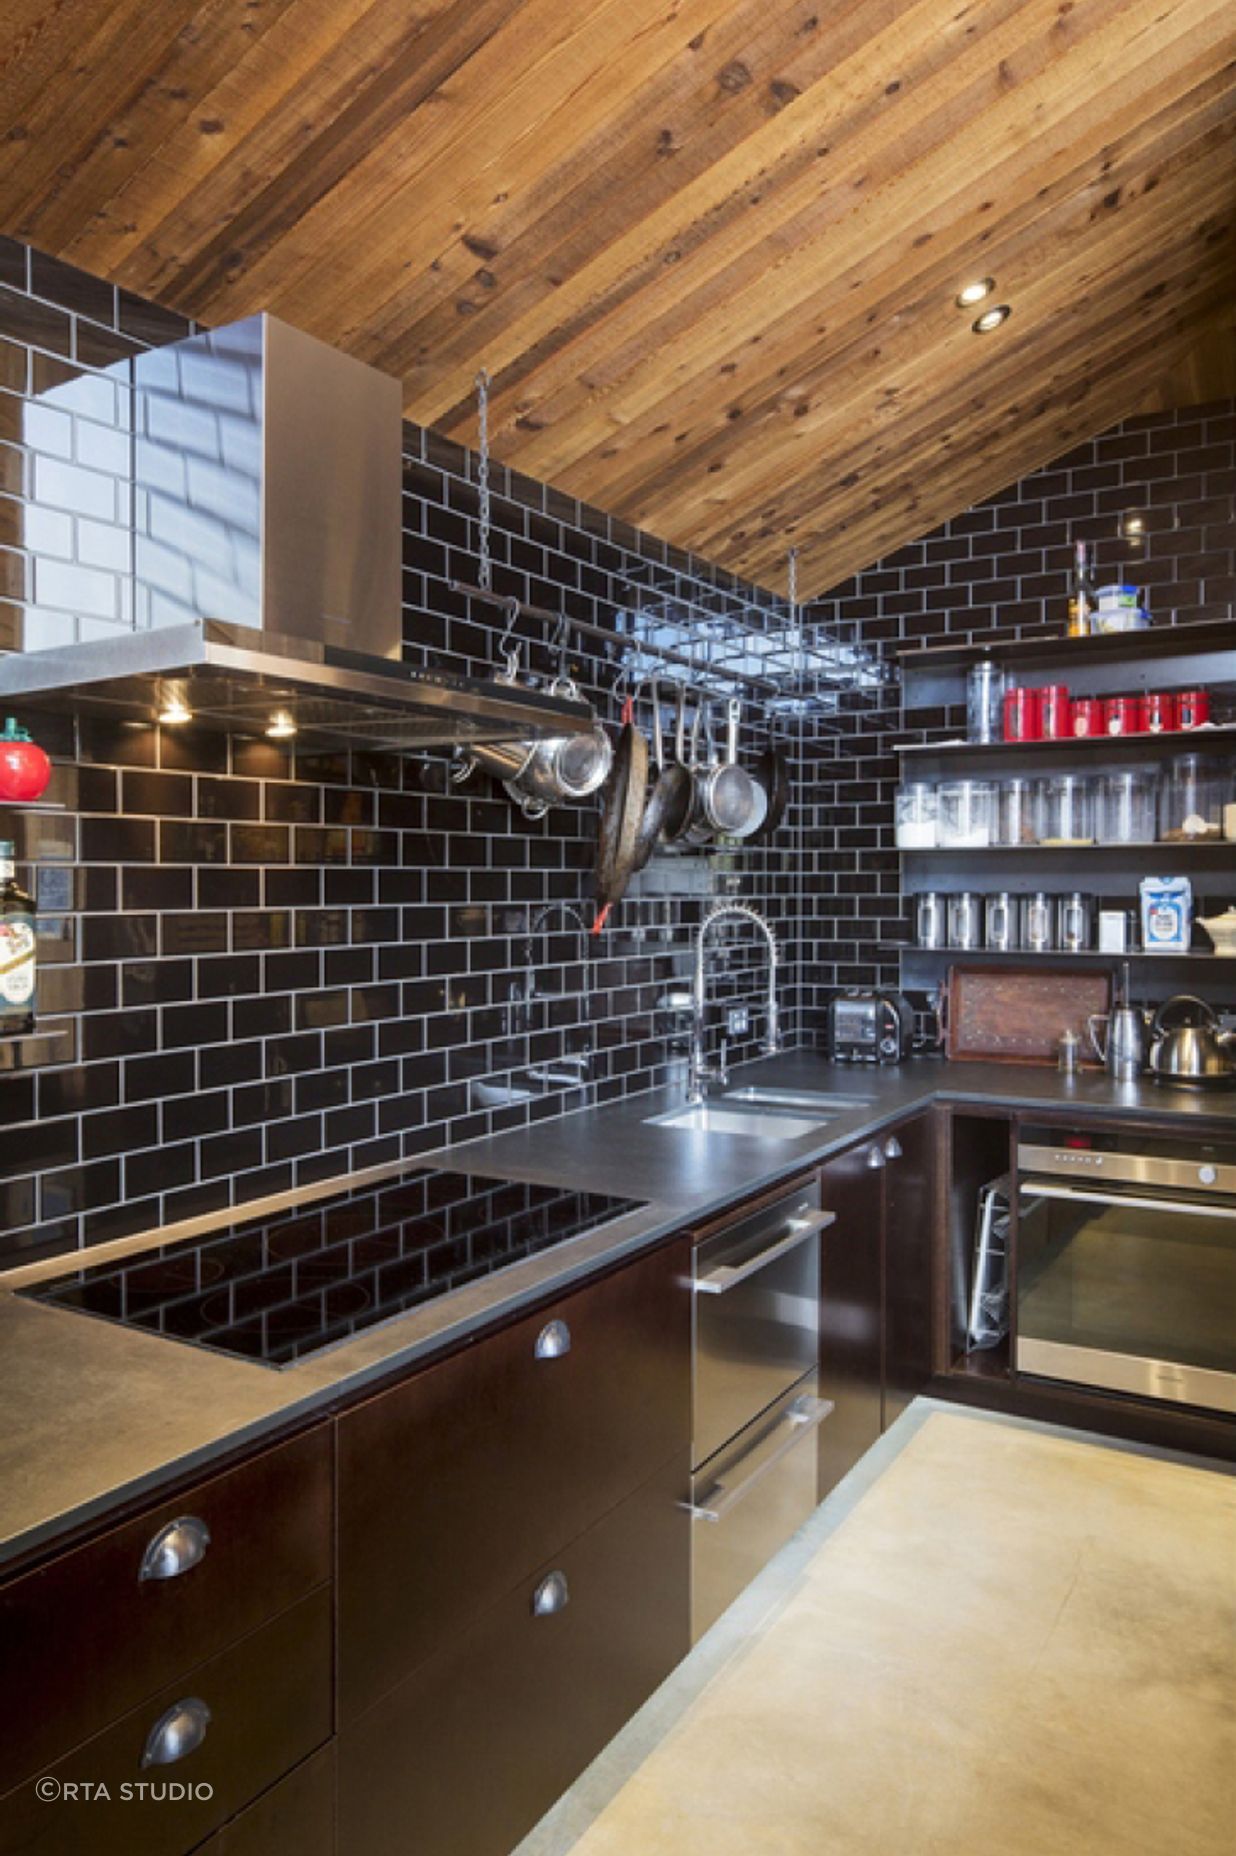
[1082, 597]
[17, 951]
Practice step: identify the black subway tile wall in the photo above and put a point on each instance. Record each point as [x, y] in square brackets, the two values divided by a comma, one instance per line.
[1000, 570]
[278, 966]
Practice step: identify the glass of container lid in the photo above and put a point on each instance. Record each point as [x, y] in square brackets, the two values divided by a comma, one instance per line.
[967, 814]
[1191, 797]
[1017, 805]
[1066, 810]
[917, 811]
[1125, 806]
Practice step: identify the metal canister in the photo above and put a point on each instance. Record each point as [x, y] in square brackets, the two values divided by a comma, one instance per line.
[1192, 708]
[931, 926]
[1001, 922]
[1122, 715]
[1086, 714]
[1054, 717]
[1021, 715]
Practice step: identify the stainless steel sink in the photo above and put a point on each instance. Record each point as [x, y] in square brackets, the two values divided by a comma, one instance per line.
[793, 1098]
[762, 1124]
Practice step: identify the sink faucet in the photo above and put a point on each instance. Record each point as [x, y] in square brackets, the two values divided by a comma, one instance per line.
[699, 1071]
[565, 1071]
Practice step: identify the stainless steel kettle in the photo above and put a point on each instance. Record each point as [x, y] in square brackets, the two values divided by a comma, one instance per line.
[1188, 1048]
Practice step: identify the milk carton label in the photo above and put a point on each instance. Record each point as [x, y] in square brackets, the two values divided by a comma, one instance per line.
[1167, 914]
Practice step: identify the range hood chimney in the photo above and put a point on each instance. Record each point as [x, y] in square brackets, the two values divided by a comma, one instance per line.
[267, 488]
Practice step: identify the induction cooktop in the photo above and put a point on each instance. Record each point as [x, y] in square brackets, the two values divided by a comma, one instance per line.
[278, 1288]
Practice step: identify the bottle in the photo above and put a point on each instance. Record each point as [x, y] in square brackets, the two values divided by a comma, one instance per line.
[1082, 597]
[17, 951]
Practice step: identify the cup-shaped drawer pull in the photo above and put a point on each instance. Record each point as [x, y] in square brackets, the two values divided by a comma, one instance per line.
[177, 1733]
[892, 1148]
[551, 1595]
[175, 1549]
[553, 1341]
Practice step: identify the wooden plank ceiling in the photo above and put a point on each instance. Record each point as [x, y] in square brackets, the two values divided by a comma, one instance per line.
[708, 249]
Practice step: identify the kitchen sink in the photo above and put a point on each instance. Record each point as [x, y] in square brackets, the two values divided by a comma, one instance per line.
[763, 1124]
[793, 1098]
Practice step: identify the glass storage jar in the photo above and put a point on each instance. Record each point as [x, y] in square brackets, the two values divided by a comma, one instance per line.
[985, 685]
[1066, 810]
[1191, 799]
[1125, 806]
[1017, 806]
[917, 812]
[967, 813]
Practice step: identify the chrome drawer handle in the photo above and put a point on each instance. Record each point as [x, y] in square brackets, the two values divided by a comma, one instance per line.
[553, 1341]
[552, 1594]
[175, 1549]
[177, 1733]
[892, 1148]
[727, 1276]
[805, 1414]
[875, 1159]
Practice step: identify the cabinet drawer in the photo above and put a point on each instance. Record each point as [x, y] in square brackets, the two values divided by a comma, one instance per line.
[87, 1637]
[296, 1817]
[259, 1708]
[465, 1756]
[457, 1484]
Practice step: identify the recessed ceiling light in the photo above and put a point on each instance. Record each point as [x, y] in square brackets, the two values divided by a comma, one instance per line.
[975, 292]
[991, 319]
[175, 712]
[282, 727]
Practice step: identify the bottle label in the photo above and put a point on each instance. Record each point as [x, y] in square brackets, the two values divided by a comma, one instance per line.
[17, 963]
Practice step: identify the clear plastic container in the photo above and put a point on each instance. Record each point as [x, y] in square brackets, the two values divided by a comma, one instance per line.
[985, 686]
[967, 814]
[1191, 799]
[1066, 810]
[917, 815]
[1125, 806]
[1017, 812]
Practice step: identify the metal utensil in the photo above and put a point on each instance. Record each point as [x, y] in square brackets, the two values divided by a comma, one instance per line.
[669, 799]
[620, 817]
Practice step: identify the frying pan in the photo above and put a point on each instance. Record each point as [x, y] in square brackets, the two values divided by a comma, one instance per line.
[669, 802]
[677, 829]
[620, 816]
[773, 774]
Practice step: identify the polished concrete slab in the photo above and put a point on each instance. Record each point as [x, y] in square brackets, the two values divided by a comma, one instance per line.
[994, 1636]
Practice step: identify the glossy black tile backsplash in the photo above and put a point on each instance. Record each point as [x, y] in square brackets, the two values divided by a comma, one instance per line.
[281, 967]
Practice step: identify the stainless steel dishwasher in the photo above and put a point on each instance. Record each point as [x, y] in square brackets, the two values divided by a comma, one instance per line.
[756, 1410]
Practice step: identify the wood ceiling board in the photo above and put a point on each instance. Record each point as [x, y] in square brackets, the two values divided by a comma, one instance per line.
[623, 213]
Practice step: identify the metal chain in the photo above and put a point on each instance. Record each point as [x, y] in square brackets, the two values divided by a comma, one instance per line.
[484, 576]
[793, 565]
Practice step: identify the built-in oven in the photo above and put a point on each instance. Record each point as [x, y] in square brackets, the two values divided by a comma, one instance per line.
[756, 1410]
[1126, 1263]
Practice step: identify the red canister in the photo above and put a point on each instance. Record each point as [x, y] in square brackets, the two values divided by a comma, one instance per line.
[1087, 715]
[1159, 712]
[1021, 715]
[1122, 715]
[1192, 708]
[1054, 717]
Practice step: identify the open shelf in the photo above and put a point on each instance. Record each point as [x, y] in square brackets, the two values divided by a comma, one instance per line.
[1022, 955]
[34, 1050]
[1115, 750]
[1206, 852]
[1054, 647]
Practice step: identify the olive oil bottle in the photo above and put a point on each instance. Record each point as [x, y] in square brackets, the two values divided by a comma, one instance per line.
[17, 951]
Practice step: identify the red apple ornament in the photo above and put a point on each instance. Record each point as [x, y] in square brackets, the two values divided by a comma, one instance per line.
[24, 767]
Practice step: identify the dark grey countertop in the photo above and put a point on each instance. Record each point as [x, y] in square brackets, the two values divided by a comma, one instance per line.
[92, 1414]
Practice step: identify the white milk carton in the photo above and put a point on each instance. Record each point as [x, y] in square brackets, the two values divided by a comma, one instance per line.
[1167, 914]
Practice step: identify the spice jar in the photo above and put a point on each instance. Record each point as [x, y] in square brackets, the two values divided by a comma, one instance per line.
[1021, 715]
[1066, 810]
[1159, 712]
[1125, 807]
[1122, 715]
[1054, 717]
[1191, 800]
[1192, 708]
[967, 809]
[1086, 713]
[916, 812]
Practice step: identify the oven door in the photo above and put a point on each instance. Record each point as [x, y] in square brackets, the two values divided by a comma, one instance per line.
[1129, 1291]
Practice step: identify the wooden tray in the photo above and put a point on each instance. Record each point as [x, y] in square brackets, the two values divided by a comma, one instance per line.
[1018, 1014]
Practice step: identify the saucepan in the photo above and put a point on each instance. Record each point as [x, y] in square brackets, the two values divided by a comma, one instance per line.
[541, 774]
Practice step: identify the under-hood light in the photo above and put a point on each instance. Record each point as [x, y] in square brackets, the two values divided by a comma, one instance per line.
[282, 727]
[175, 713]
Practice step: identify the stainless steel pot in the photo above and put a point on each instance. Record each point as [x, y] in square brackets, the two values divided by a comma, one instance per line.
[541, 774]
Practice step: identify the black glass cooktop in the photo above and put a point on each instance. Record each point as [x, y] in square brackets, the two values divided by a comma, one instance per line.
[274, 1289]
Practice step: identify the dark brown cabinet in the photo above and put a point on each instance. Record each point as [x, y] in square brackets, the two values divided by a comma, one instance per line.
[457, 1483]
[850, 1327]
[296, 1817]
[875, 1288]
[96, 1631]
[464, 1757]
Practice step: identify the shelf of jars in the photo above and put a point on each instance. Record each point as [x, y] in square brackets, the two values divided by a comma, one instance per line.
[1057, 956]
[1084, 750]
[1046, 648]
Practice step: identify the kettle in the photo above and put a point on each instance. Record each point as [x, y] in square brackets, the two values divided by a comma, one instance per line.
[1123, 1054]
[1188, 1048]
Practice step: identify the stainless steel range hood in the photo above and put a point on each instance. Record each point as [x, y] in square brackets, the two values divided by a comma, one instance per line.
[266, 488]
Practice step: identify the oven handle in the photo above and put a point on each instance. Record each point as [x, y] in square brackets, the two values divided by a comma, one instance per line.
[1047, 1189]
[727, 1276]
[805, 1414]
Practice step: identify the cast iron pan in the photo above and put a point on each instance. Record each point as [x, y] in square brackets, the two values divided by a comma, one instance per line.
[620, 817]
[773, 775]
[669, 802]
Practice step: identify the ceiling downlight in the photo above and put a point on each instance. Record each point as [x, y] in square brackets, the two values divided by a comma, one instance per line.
[991, 319]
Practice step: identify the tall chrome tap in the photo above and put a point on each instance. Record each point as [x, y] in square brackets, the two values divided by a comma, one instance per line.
[699, 1071]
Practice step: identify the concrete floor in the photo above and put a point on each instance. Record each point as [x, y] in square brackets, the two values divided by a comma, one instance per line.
[994, 1637]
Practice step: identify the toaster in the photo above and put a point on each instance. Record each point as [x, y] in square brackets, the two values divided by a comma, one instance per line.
[870, 1027]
